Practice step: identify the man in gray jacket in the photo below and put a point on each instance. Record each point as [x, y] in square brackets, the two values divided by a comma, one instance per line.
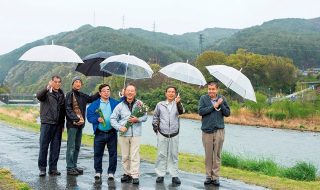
[213, 108]
[166, 125]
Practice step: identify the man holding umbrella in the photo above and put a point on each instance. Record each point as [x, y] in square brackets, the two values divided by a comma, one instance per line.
[76, 103]
[213, 108]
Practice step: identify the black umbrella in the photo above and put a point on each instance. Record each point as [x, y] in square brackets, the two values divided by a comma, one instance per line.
[91, 65]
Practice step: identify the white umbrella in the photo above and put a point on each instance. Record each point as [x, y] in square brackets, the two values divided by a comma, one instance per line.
[184, 72]
[233, 79]
[51, 53]
[127, 66]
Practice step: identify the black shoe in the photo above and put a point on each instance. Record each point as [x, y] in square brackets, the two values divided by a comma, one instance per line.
[72, 171]
[176, 180]
[80, 170]
[42, 173]
[216, 182]
[159, 179]
[208, 181]
[126, 178]
[135, 181]
[54, 172]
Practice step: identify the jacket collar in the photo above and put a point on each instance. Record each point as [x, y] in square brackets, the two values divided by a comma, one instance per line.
[126, 102]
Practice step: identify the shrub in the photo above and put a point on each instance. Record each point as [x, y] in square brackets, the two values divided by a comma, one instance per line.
[276, 115]
[301, 171]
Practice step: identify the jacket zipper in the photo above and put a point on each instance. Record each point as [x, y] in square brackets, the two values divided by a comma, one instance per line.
[132, 124]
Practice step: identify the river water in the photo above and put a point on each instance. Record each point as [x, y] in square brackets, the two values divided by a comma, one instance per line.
[286, 147]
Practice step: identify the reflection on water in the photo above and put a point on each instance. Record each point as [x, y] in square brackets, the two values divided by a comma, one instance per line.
[284, 146]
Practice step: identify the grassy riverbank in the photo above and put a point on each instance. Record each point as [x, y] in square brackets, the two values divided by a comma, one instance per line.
[264, 172]
[7, 182]
[245, 117]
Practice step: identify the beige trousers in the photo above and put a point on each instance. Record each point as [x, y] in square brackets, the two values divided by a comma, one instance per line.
[130, 151]
[212, 143]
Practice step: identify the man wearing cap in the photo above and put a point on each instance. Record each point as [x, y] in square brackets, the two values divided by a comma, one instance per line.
[52, 114]
[76, 103]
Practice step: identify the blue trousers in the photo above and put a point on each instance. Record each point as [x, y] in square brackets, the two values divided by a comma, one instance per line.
[101, 139]
[49, 135]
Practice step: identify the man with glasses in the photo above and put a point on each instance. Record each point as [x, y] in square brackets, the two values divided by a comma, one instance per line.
[98, 113]
[52, 114]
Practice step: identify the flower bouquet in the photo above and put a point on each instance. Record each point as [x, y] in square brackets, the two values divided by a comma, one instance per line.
[138, 111]
[99, 111]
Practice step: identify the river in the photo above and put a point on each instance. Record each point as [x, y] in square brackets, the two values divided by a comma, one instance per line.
[286, 147]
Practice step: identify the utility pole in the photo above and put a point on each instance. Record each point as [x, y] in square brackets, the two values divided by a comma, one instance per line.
[201, 39]
[154, 27]
[154, 42]
[123, 22]
[94, 18]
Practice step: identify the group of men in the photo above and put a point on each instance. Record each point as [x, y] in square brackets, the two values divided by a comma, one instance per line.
[110, 117]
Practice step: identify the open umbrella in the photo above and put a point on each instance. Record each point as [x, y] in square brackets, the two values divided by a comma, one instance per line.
[184, 72]
[91, 66]
[233, 79]
[51, 53]
[127, 66]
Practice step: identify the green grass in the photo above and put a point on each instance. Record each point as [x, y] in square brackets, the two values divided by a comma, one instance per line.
[261, 172]
[7, 182]
[301, 171]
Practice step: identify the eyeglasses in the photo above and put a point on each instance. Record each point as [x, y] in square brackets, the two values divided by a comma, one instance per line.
[105, 90]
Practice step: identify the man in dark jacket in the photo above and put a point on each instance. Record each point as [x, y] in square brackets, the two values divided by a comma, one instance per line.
[52, 114]
[76, 103]
[213, 108]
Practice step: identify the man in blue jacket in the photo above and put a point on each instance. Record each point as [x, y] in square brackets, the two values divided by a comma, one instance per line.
[213, 108]
[98, 113]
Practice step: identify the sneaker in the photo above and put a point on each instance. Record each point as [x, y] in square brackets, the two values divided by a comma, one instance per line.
[135, 181]
[110, 177]
[54, 172]
[80, 170]
[208, 181]
[97, 176]
[159, 179]
[72, 171]
[42, 173]
[126, 178]
[176, 180]
[216, 182]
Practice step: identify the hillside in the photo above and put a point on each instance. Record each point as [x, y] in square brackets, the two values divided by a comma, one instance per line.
[298, 39]
[86, 40]
[186, 42]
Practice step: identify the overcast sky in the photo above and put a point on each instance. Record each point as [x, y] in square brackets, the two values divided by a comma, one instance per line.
[24, 21]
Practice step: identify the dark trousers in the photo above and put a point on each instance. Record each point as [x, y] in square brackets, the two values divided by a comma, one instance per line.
[73, 146]
[49, 135]
[101, 139]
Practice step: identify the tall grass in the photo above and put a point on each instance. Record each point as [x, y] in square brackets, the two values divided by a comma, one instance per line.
[301, 171]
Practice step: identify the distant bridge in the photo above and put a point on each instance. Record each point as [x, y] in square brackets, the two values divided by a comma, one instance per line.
[18, 99]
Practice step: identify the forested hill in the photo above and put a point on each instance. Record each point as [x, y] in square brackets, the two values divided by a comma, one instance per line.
[150, 46]
[187, 42]
[298, 39]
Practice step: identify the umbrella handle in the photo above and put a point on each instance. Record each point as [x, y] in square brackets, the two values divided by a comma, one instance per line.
[125, 77]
